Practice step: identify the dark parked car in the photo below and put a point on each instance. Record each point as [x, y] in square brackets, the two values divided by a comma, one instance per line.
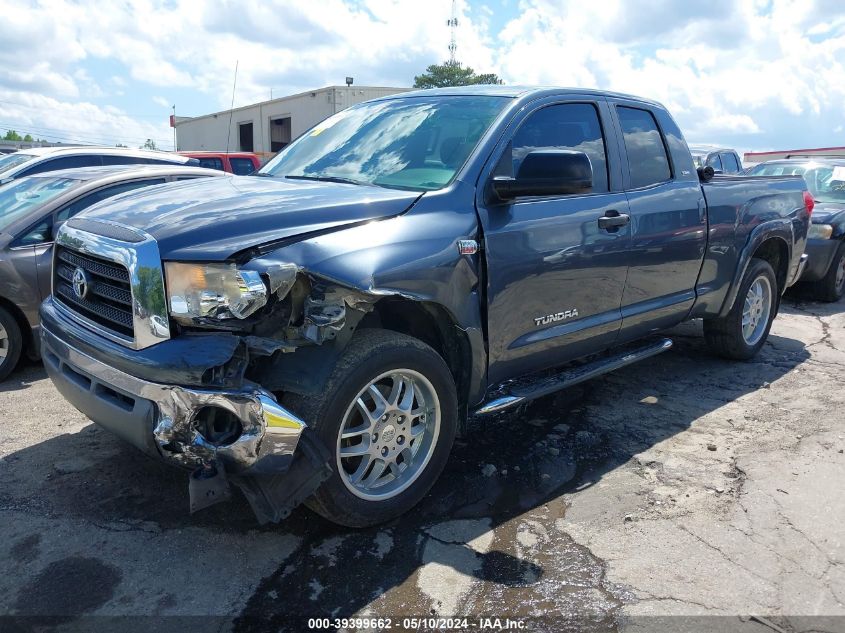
[826, 244]
[31, 210]
[28, 162]
[320, 331]
[723, 160]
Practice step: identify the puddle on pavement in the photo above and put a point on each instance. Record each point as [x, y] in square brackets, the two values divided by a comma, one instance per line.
[480, 543]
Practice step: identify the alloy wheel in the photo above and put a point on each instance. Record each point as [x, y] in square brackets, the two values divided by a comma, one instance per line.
[388, 434]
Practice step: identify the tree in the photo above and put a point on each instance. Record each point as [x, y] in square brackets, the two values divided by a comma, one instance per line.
[452, 74]
[28, 138]
[11, 135]
[148, 144]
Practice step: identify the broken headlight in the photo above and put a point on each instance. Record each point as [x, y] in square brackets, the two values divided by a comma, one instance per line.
[212, 291]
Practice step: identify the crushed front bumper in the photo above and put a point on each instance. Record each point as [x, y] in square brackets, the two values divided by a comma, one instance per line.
[162, 421]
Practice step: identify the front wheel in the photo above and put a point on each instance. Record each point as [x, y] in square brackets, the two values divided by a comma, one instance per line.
[388, 414]
[744, 330]
[11, 343]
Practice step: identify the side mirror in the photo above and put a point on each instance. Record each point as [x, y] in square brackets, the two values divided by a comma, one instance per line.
[547, 172]
[705, 174]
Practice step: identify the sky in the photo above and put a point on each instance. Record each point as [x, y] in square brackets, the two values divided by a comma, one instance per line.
[749, 74]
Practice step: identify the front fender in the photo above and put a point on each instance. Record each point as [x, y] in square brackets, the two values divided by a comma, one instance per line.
[414, 256]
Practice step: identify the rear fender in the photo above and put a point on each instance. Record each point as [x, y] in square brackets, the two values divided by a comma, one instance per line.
[779, 229]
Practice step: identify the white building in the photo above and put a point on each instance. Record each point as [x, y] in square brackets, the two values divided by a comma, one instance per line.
[267, 127]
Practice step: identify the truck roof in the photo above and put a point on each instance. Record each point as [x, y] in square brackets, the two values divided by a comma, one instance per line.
[512, 92]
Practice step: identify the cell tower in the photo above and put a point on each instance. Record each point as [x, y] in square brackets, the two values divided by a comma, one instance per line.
[452, 23]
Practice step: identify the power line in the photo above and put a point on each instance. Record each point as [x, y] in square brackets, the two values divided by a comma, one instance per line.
[49, 107]
[42, 129]
[65, 137]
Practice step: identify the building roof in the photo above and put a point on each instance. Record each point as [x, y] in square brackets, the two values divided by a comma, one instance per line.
[186, 119]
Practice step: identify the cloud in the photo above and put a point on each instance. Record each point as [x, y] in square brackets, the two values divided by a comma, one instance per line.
[765, 72]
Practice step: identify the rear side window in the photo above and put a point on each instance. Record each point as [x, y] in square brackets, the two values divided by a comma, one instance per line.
[648, 163]
[86, 201]
[65, 162]
[573, 126]
[211, 163]
[729, 163]
[241, 166]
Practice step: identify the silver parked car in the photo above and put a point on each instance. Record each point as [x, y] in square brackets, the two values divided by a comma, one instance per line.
[28, 162]
[723, 160]
[31, 210]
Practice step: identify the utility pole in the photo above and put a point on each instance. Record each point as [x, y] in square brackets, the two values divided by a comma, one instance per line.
[452, 23]
[175, 148]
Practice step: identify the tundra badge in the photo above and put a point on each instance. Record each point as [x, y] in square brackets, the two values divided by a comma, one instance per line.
[558, 316]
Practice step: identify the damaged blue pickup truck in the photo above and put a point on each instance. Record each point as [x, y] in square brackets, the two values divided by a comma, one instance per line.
[320, 331]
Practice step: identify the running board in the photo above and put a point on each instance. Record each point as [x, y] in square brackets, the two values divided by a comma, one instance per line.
[569, 377]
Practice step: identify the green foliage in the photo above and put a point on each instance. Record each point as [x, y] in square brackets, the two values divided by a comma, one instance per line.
[12, 135]
[148, 144]
[453, 74]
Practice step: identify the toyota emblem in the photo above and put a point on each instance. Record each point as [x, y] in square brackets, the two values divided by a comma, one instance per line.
[80, 283]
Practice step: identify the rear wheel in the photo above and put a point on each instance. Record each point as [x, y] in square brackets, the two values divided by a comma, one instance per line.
[11, 343]
[744, 330]
[831, 287]
[388, 413]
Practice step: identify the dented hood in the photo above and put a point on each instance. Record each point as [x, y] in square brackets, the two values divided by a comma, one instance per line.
[210, 219]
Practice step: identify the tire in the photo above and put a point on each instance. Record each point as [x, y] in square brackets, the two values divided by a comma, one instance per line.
[389, 360]
[725, 335]
[11, 343]
[831, 287]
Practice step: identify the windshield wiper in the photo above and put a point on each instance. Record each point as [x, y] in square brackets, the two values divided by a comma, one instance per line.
[262, 174]
[346, 181]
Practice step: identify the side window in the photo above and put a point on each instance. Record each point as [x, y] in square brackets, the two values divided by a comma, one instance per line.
[116, 159]
[715, 162]
[648, 163]
[84, 202]
[729, 163]
[211, 163]
[242, 166]
[38, 234]
[573, 126]
[65, 162]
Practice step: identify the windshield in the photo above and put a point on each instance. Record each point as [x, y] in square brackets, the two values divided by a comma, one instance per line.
[826, 183]
[19, 197]
[13, 160]
[416, 143]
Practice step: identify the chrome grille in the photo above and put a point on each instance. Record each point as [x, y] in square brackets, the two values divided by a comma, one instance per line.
[108, 301]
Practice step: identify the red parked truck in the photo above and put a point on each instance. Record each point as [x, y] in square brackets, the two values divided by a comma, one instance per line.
[238, 163]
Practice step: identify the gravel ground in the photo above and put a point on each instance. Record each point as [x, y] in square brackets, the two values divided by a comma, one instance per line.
[656, 498]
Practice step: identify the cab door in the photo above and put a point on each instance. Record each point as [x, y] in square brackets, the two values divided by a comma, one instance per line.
[555, 276]
[668, 220]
